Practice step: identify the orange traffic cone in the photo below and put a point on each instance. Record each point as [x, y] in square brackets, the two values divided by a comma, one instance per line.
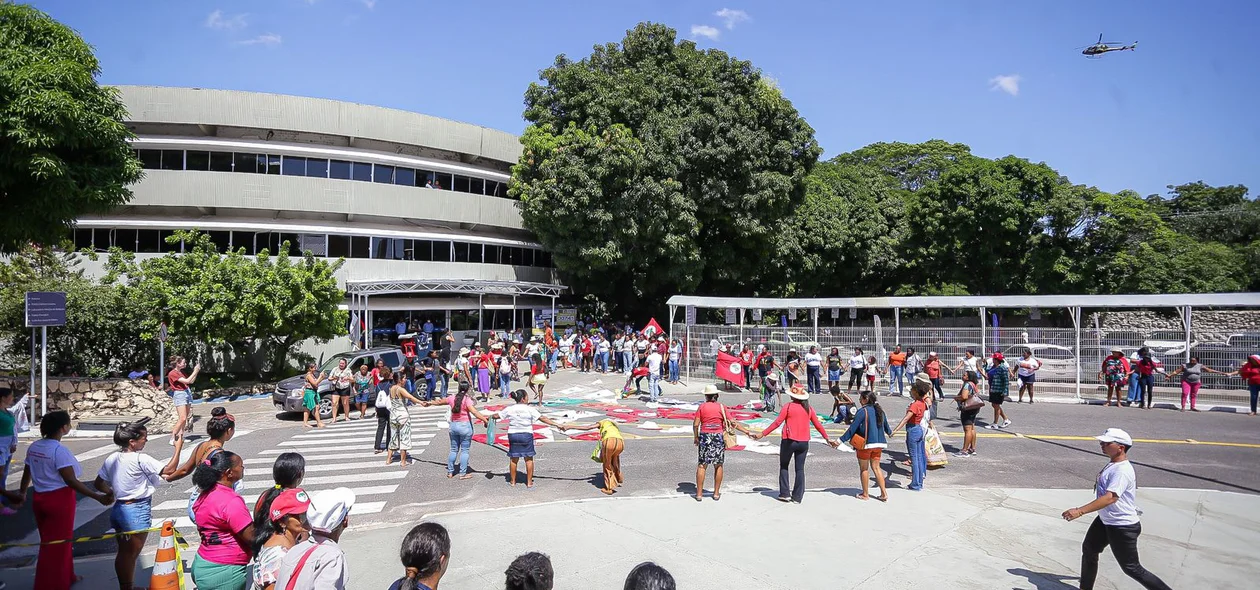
[166, 565]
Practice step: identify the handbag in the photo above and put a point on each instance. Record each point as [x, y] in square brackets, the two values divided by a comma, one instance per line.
[973, 402]
[858, 441]
[728, 431]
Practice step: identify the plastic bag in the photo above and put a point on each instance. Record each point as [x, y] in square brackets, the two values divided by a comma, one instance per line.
[936, 456]
[596, 455]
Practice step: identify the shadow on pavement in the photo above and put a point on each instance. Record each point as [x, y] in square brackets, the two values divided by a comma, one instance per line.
[1043, 581]
[1150, 466]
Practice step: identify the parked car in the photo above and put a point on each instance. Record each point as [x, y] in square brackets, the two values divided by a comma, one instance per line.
[801, 341]
[1168, 342]
[1057, 362]
[288, 394]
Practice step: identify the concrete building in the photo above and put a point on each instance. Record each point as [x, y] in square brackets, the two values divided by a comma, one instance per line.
[417, 205]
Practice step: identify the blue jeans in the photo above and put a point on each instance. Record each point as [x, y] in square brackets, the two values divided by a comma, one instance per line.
[461, 439]
[654, 385]
[917, 448]
[1255, 396]
[813, 376]
[446, 382]
[673, 370]
[896, 374]
[430, 383]
[553, 359]
[1134, 388]
[627, 362]
[505, 384]
[601, 361]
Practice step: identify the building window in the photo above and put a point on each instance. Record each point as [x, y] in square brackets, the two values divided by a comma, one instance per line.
[222, 240]
[510, 255]
[490, 184]
[82, 239]
[441, 180]
[172, 159]
[422, 250]
[361, 171]
[147, 241]
[269, 163]
[461, 251]
[338, 246]
[460, 186]
[339, 169]
[442, 251]
[150, 159]
[501, 190]
[245, 163]
[316, 244]
[360, 247]
[197, 160]
[464, 319]
[492, 254]
[383, 174]
[476, 186]
[317, 168]
[293, 166]
[474, 253]
[405, 176]
[527, 257]
[220, 161]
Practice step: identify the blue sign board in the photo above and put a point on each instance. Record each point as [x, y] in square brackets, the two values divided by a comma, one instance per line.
[45, 308]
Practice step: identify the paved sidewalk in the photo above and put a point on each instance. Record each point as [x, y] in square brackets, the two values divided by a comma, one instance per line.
[956, 538]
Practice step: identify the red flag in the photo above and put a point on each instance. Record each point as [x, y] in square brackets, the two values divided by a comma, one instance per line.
[652, 329]
[729, 368]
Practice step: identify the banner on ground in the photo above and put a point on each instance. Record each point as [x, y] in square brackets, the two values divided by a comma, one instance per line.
[730, 369]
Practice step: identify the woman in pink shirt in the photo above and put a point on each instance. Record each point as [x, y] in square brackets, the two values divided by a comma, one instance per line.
[224, 524]
[796, 419]
[461, 431]
[708, 427]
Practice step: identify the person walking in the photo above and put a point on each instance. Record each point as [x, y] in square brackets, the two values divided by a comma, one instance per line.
[999, 389]
[425, 555]
[1117, 524]
[132, 477]
[915, 438]
[224, 524]
[813, 371]
[399, 419]
[708, 431]
[1191, 378]
[1026, 369]
[520, 419]
[461, 429]
[797, 416]
[611, 444]
[54, 472]
[181, 393]
[342, 379]
[896, 370]
[1114, 374]
[868, 434]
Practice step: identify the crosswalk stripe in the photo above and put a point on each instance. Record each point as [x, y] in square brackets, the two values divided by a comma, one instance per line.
[186, 526]
[250, 500]
[326, 435]
[316, 457]
[349, 478]
[337, 441]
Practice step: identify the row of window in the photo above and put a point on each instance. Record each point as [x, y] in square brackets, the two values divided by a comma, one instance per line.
[251, 163]
[324, 245]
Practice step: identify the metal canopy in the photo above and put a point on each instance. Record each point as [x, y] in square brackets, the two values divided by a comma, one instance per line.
[977, 301]
[473, 286]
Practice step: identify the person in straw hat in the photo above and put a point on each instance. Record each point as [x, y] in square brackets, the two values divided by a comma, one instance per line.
[771, 392]
[708, 429]
[796, 419]
[1115, 374]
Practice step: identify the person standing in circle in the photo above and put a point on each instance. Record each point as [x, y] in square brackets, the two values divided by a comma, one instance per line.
[1250, 371]
[834, 368]
[342, 380]
[999, 386]
[132, 477]
[521, 418]
[224, 524]
[181, 391]
[915, 438]
[869, 433]
[1115, 374]
[1191, 377]
[896, 370]
[1146, 368]
[1026, 369]
[796, 419]
[363, 389]
[538, 373]
[1117, 524]
[461, 430]
[611, 444]
[425, 554]
[707, 431]
[399, 419]
[813, 370]
[932, 366]
[971, 366]
[857, 367]
[310, 396]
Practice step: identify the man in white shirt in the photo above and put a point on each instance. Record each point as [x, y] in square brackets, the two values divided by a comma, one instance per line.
[813, 370]
[654, 374]
[1117, 522]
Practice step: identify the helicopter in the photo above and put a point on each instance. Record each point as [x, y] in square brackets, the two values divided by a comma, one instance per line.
[1097, 50]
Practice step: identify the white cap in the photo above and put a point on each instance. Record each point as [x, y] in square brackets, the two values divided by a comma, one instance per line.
[329, 508]
[1116, 435]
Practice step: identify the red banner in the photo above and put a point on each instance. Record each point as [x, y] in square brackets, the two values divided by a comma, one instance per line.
[652, 329]
[729, 368]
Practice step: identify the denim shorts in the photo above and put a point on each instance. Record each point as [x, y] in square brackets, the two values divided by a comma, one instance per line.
[833, 375]
[134, 516]
[363, 398]
[183, 397]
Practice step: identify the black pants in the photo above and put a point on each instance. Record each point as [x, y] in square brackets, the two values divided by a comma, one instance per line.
[382, 429]
[1145, 383]
[1123, 541]
[789, 450]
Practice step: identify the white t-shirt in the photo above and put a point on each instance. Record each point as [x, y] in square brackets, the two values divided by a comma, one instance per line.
[872, 371]
[627, 345]
[642, 345]
[654, 362]
[531, 348]
[45, 457]
[1119, 479]
[971, 364]
[132, 475]
[813, 359]
[520, 418]
[857, 362]
[603, 345]
[505, 365]
[1028, 366]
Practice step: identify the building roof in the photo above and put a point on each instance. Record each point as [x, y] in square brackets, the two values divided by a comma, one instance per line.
[977, 301]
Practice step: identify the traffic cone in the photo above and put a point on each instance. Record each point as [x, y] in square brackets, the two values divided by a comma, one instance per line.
[165, 565]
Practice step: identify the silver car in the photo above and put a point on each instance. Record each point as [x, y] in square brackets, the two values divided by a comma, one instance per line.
[288, 394]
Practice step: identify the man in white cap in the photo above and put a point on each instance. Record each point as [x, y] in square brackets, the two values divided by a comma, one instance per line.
[318, 563]
[1117, 522]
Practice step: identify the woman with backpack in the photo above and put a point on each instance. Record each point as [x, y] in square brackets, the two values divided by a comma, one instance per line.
[868, 434]
[796, 419]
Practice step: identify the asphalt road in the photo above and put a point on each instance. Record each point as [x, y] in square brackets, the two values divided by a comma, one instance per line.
[1049, 445]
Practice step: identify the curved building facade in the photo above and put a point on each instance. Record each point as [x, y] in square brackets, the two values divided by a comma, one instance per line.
[417, 205]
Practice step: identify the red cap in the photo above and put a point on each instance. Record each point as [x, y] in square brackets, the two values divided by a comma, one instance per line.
[294, 501]
[997, 356]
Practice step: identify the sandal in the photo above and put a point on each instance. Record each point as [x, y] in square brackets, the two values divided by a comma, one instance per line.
[466, 476]
[883, 498]
[862, 496]
[717, 497]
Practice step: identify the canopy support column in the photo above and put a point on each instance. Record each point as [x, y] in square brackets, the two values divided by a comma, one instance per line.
[815, 312]
[1186, 314]
[984, 349]
[513, 312]
[897, 325]
[1076, 325]
[481, 312]
[741, 328]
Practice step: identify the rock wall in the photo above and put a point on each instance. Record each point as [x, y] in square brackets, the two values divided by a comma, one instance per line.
[1207, 326]
[92, 398]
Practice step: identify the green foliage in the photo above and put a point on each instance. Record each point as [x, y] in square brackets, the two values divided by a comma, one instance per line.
[651, 168]
[64, 149]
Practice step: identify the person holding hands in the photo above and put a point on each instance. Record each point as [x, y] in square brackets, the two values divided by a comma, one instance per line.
[796, 419]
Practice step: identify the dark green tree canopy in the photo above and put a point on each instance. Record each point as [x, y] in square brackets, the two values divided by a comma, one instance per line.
[652, 168]
[64, 149]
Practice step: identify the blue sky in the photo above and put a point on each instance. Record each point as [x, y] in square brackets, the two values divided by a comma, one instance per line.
[1179, 109]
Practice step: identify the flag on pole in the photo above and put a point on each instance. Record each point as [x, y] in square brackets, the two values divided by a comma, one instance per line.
[652, 329]
[730, 369]
[355, 333]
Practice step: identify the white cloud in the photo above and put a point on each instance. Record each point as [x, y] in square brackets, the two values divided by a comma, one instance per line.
[265, 39]
[217, 20]
[706, 31]
[730, 17]
[1008, 84]
[370, 4]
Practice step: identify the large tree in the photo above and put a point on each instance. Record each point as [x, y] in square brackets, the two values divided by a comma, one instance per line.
[64, 149]
[652, 168]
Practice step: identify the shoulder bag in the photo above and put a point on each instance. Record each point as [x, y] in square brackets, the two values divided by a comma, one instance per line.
[858, 442]
[728, 430]
[973, 402]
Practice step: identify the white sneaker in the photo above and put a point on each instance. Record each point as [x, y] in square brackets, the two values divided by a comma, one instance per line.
[170, 441]
[991, 426]
[1005, 424]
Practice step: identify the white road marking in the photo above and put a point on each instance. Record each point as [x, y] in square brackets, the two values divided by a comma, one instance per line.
[250, 500]
[326, 442]
[350, 478]
[316, 457]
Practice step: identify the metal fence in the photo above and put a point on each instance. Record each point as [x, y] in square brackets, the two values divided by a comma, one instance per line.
[1057, 348]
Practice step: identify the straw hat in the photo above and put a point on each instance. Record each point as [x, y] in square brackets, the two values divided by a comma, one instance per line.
[463, 351]
[798, 393]
[710, 389]
[922, 378]
[773, 377]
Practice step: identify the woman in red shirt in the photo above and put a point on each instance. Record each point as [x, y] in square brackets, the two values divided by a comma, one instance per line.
[915, 445]
[796, 418]
[707, 428]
